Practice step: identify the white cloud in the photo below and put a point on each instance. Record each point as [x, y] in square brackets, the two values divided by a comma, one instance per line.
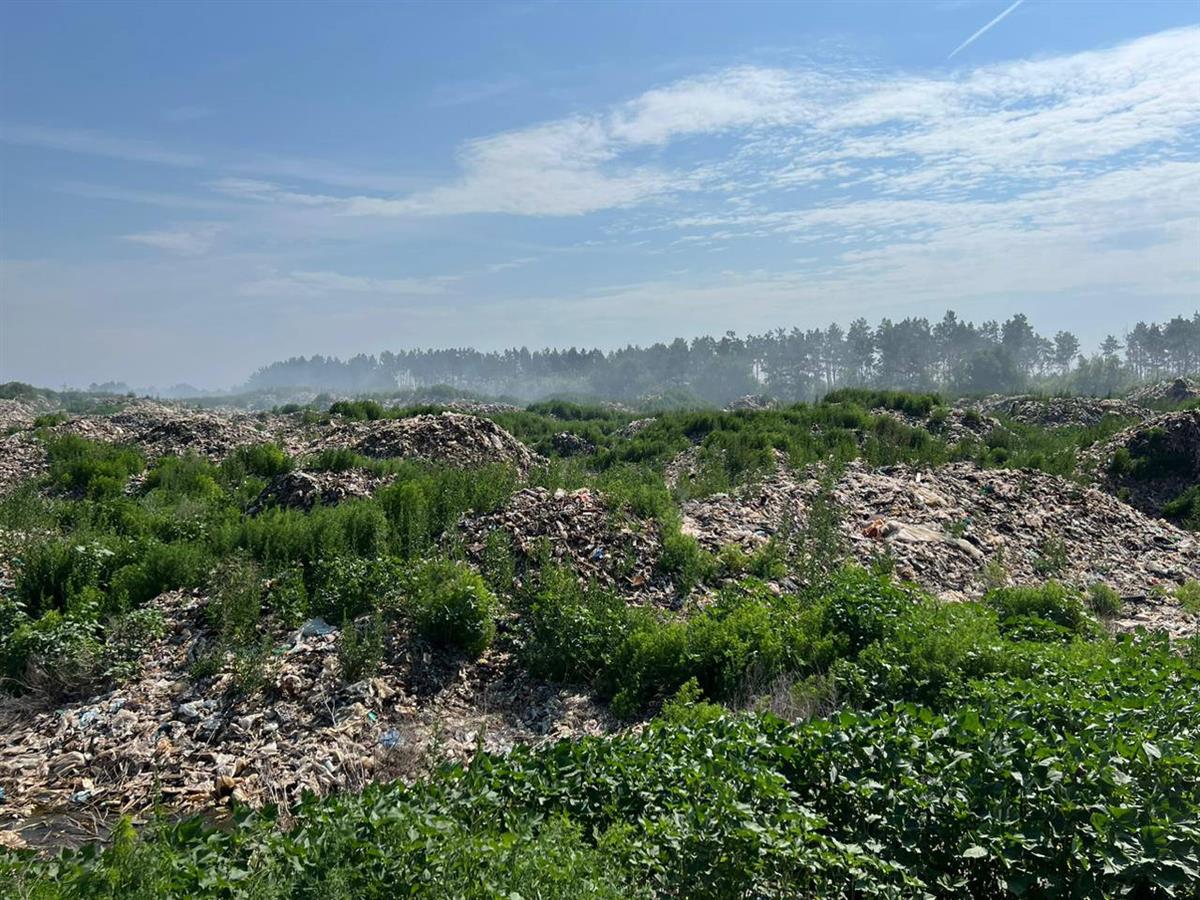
[193, 240]
[320, 284]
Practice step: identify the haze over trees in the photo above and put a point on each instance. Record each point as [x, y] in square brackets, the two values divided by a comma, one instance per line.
[913, 353]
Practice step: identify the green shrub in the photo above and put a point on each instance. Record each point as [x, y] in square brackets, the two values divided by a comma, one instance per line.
[159, 567]
[1188, 595]
[184, 476]
[1185, 509]
[572, 631]
[263, 460]
[358, 410]
[682, 558]
[1053, 611]
[334, 459]
[50, 420]
[127, 638]
[348, 587]
[360, 648]
[235, 603]
[287, 597]
[1051, 558]
[91, 468]
[451, 605]
[57, 656]
[51, 572]
[1103, 600]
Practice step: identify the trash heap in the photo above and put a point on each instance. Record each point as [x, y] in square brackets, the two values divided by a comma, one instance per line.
[580, 531]
[1179, 390]
[753, 402]
[634, 428]
[165, 739]
[944, 527]
[305, 490]
[1057, 412]
[22, 456]
[170, 431]
[1170, 446]
[568, 443]
[452, 438]
[954, 424]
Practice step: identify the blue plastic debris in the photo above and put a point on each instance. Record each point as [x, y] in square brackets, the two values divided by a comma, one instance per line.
[390, 739]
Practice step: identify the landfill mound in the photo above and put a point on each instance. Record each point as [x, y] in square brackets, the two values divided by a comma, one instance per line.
[955, 424]
[1058, 412]
[568, 443]
[169, 431]
[452, 438]
[1150, 464]
[753, 402]
[163, 740]
[580, 531]
[305, 490]
[634, 428]
[1178, 390]
[943, 527]
[22, 457]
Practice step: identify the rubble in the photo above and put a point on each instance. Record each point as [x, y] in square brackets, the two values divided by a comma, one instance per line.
[1057, 412]
[1173, 440]
[954, 424]
[164, 741]
[753, 402]
[452, 438]
[636, 427]
[304, 490]
[944, 527]
[568, 443]
[582, 532]
[1179, 390]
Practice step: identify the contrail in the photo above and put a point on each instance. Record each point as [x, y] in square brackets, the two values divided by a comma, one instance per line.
[984, 30]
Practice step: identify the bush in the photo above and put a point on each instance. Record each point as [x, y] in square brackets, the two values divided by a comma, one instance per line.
[262, 460]
[1185, 509]
[451, 605]
[334, 459]
[159, 567]
[360, 648]
[572, 632]
[91, 468]
[1050, 612]
[184, 476]
[348, 587]
[358, 410]
[57, 656]
[1103, 600]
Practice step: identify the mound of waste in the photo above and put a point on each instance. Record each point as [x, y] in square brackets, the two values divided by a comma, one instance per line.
[1152, 463]
[1058, 412]
[568, 443]
[452, 438]
[1179, 390]
[304, 490]
[943, 527]
[752, 402]
[581, 531]
[166, 740]
[634, 428]
[955, 425]
[169, 431]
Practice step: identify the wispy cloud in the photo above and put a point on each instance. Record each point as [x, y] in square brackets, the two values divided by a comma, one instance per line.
[72, 140]
[322, 284]
[195, 239]
[984, 30]
[180, 114]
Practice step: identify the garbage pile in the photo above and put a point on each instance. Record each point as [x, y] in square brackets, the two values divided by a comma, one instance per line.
[16, 414]
[22, 456]
[954, 528]
[752, 402]
[305, 490]
[167, 740]
[954, 424]
[1057, 412]
[580, 531]
[634, 428]
[170, 431]
[568, 443]
[452, 438]
[1180, 390]
[1161, 460]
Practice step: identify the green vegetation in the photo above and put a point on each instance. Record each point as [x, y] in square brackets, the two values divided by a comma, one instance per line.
[847, 736]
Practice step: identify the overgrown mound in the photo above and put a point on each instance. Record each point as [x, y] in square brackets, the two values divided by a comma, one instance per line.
[1155, 463]
[452, 438]
[163, 430]
[575, 528]
[1179, 390]
[304, 490]
[1059, 412]
[197, 730]
[957, 528]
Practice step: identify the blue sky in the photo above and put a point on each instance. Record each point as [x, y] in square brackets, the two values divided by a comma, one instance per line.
[190, 190]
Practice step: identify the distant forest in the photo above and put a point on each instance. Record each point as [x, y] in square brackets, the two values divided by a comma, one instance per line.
[952, 355]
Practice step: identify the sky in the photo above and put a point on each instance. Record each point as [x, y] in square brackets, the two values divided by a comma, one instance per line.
[191, 190]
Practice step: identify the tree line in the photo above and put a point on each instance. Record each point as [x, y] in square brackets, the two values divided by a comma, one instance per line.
[950, 355]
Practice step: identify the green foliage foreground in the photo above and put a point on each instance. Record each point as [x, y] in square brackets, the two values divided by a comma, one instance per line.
[1082, 780]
